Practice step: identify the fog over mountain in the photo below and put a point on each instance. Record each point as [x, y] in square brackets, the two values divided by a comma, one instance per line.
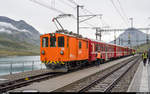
[18, 31]
[18, 38]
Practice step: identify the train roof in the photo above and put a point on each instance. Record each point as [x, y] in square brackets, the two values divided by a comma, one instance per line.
[80, 37]
[109, 43]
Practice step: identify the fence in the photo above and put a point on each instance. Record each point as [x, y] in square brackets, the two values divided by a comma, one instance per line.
[10, 67]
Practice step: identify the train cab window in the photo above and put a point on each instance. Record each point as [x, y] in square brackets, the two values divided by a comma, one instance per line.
[80, 44]
[53, 41]
[61, 41]
[45, 42]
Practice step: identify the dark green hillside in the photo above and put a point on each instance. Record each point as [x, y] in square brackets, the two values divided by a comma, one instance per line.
[10, 47]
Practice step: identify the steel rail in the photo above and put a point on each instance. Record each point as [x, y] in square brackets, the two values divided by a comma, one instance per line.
[4, 87]
[84, 89]
[109, 88]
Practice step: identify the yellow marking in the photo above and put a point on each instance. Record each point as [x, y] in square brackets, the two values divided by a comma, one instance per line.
[26, 78]
[54, 62]
[57, 62]
[62, 62]
[50, 62]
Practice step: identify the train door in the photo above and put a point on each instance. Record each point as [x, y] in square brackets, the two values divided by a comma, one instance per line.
[72, 49]
[106, 53]
[68, 48]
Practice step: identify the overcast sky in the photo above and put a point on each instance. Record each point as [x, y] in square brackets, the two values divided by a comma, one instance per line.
[41, 17]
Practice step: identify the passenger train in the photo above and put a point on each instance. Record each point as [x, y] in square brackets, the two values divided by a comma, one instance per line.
[66, 50]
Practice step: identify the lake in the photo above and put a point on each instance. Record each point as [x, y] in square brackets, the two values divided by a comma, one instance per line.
[15, 64]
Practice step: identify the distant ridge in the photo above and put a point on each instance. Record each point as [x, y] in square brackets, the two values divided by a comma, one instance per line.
[136, 37]
[18, 38]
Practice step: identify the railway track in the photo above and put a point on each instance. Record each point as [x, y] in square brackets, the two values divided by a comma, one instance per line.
[102, 81]
[107, 82]
[6, 86]
[10, 85]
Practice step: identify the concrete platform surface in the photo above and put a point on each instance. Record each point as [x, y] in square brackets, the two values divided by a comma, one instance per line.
[60, 81]
[141, 79]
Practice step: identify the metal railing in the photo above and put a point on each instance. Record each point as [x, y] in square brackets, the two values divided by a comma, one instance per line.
[10, 67]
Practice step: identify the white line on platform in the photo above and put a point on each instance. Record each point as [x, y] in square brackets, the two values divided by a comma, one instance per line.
[144, 80]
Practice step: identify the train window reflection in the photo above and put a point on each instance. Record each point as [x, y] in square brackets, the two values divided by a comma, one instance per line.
[60, 41]
[45, 42]
[53, 41]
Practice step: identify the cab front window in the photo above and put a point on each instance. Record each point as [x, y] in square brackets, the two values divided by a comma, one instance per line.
[61, 41]
[52, 41]
[45, 42]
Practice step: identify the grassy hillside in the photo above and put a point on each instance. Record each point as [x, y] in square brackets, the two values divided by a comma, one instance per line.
[10, 47]
[143, 47]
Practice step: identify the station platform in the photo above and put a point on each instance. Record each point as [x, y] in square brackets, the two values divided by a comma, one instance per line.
[52, 84]
[141, 79]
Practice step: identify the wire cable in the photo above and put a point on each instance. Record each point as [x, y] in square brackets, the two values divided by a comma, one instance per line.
[46, 6]
[118, 12]
[123, 11]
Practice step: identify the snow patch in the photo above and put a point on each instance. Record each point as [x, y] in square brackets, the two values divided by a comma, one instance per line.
[4, 25]
[5, 31]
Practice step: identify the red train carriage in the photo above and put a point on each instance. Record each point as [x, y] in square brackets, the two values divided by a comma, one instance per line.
[65, 51]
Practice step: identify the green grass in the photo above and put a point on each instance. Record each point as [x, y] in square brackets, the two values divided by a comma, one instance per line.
[14, 48]
[143, 47]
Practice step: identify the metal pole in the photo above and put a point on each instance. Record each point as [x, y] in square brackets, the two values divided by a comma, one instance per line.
[114, 37]
[11, 68]
[41, 65]
[59, 23]
[100, 35]
[131, 22]
[32, 65]
[147, 39]
[23, 67]
[100, 26]
[96, 33]
[119, 40]
[78, 19]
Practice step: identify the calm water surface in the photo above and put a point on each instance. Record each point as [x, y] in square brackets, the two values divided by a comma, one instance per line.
[17, 64]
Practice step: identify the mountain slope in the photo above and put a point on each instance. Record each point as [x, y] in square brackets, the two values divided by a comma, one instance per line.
[136, 37]
[18, 38]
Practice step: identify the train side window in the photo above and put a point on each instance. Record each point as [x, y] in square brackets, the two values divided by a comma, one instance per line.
[96, 47]
[53, 41]
[45, 42]
[106, 48]
[80, 44]
[61, 41]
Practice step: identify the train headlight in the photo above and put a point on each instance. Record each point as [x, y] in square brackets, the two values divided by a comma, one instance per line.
[43, 52]
[61, 52]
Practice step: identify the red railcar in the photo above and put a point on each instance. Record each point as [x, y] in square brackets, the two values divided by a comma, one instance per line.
[70, 51]
[107, 50]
